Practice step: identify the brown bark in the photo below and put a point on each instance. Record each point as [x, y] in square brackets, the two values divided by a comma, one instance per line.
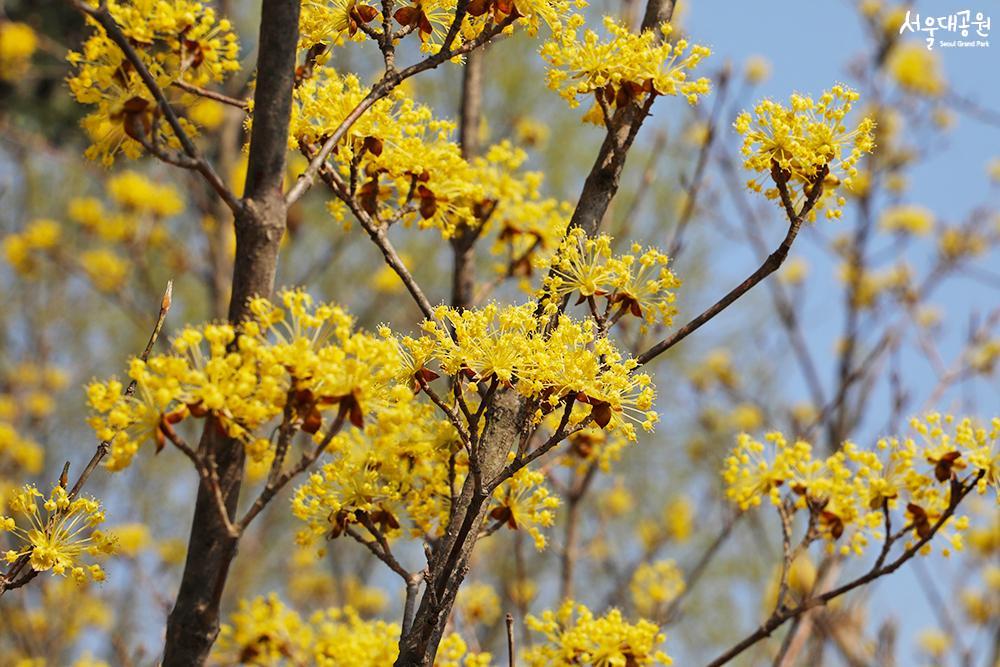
[450, 559]
[194, 622]
[463, 244]
[602, 182]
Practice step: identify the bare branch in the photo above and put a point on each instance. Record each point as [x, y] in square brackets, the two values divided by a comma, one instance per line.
[770, 265]
[211, 95]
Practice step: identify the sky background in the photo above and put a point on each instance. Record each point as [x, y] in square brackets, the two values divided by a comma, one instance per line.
[809, 46]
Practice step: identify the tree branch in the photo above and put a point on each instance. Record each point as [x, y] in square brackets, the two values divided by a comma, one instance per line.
[103, 17]
[770, 265]
[878, 570]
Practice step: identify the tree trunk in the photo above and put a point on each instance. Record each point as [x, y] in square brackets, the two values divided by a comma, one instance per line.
[450, 560]
[602, 182]
[194, 622]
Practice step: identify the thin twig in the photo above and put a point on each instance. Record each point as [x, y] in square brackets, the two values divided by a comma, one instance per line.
[959, 491]
[510, 639]
[377, 233]
[211, 94]
[9, 580]
[770, 265]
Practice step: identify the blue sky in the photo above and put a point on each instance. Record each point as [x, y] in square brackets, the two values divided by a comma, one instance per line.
[809, 46]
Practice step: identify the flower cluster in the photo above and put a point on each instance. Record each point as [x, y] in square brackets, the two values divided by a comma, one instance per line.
[406, 166]
[907, 219]
[805, 145]
[637, 284]
[868, 286]
[850, 492]
[27, 395]
[591, 445]
[674, 524]
[916, 70]
[394, 475]
[302, 356]
[956, 243]
[59, 537]
[23, 249]
[264, 631]
[507, 345]
[178, 40]
[393, 472]
[623, 69]
[478, 603]
[17, 453]
[332, 22]
[524, 501]
[57, 618]
[574, 636]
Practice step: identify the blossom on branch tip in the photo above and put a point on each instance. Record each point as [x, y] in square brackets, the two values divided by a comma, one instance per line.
[625, 68]
[804, 146]
[56, 536]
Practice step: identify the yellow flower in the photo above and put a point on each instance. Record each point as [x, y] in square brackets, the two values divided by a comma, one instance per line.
[21, 249]
[535, 133]
[678, 518]
[178, 40]
[993, 169]
[394, 471]
[623, 69]
[308, 354]
[330, 21]
[574, 636]
[848, 492]
[616, 501]
[757, 69]
[42, 234]
[715, 368]
[524, 502]
[478, 603]
[207, 113]
[505, 345]
[59, 537]
[264, 631]
[18, 451]
[654, 586]
[135, 192]
[746, 417]
[387, 281]
[934, 642]
[798, 143]
[955, 243]
[794, 271]
[636, 283]
[132, 538]
[755, 470]
[106, 270]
